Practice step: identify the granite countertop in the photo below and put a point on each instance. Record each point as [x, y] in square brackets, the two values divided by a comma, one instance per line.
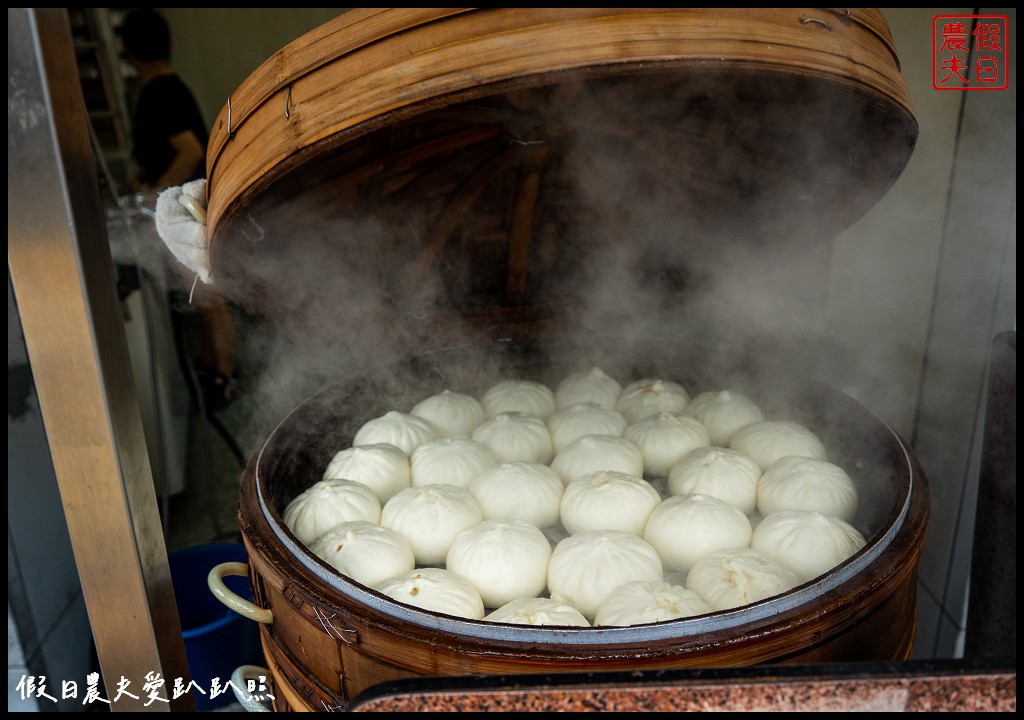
[912, 686]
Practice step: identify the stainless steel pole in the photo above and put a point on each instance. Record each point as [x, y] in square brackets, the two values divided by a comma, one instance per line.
[61, 270]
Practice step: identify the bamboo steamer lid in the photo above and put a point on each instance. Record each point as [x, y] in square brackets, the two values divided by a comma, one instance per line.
[485, 150]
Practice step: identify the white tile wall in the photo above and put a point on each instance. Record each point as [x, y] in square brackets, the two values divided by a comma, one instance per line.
[918, 290]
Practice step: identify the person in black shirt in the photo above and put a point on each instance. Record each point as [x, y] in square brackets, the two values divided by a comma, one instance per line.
[169, 147]
[168, 132]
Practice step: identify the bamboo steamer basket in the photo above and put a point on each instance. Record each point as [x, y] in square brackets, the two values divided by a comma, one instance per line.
[473, 136]
[477, 127]
[327, 638]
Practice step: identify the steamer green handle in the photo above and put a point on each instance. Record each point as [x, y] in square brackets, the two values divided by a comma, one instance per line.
[240, 605]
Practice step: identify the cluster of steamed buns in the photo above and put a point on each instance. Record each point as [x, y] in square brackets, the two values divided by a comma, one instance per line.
[590, 504]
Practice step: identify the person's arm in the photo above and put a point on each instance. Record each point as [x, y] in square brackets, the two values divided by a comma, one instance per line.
[188, 152]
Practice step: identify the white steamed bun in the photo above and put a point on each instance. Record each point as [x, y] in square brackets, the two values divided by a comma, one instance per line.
[327, 503]
[430, 517]
[437, 590]
[382, 467]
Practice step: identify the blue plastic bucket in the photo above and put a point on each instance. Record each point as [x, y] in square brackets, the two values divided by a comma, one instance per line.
[217, 639]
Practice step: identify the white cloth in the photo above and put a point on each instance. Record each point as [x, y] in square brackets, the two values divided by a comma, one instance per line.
[181, 224]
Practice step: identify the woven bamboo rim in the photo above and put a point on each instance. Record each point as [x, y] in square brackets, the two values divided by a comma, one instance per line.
[372, 67]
